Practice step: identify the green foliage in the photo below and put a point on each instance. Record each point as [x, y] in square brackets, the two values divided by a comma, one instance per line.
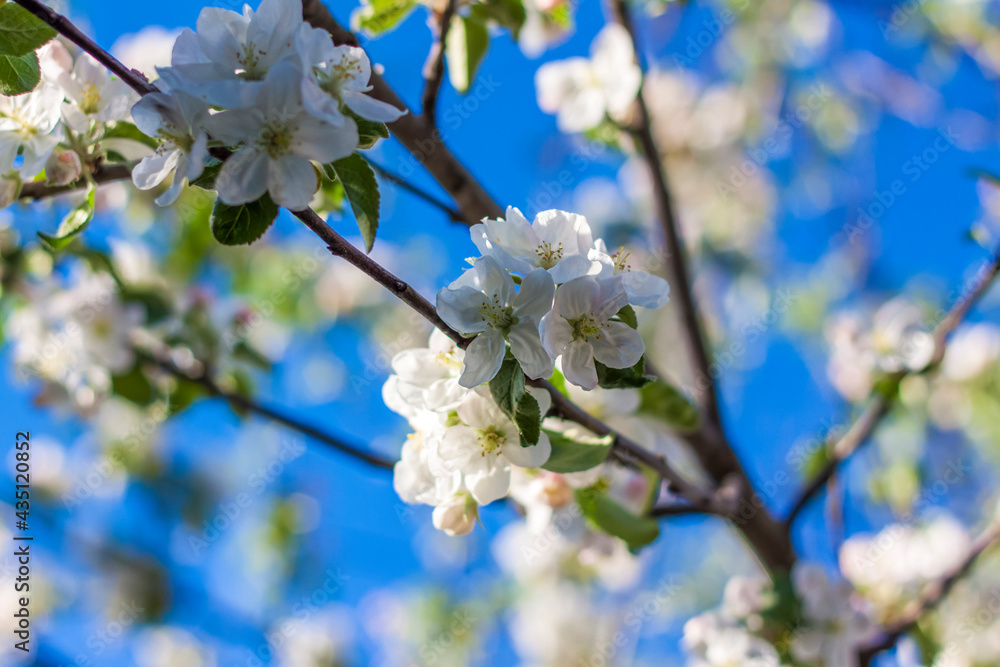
[607, 515]
[507, 389]
[124, 130]
[666, 402]
[72, 224]
[574, 455]
[19, 74]
[21, 32]
[508, 13]
[466, 46]
[632, 377]
[369, 132]
[208, 175]
[627, 316]
[243, 224]
[134, 386]
[378, 16]
[361, 189]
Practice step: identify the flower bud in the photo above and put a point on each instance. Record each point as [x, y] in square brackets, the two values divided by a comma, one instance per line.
[551, 489]
[10, 188]
[63, 168]
[457, 515]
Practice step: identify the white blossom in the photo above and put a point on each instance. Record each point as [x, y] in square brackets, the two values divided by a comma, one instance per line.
[427, 378]
[643, 289]
[92, 94]
[583, 92]
[556, 241]
[279, 141]
[29, 122]
[580, 328]
[336, 77]
[177, 120]
[457, 515]
[494, 311]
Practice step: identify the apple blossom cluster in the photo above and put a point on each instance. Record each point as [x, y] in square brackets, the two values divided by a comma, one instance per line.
[267, 84]
[49, 130]
[817, 624]
[541, 293]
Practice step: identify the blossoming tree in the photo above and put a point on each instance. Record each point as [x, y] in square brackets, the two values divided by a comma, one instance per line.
[570, 377]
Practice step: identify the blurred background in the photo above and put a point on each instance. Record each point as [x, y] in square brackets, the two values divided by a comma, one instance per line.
[831, 166]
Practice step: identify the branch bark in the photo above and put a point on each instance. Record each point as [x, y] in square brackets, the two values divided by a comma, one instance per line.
[434, 73]
[880, 403]
[103, 174]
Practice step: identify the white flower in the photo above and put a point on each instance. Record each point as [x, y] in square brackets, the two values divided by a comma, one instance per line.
[743, 596]
[29, 122]
[280, 140]
[495, 312]
[412, 478]
[582, 92]
[177, 120]
[428, 376]
[93, 95]
[556, 241]
[643, 289]
[972, 350]
[63, 167]
[579, 329]
[457, 515]
[485, 445]
[230, 56]
[335, 76]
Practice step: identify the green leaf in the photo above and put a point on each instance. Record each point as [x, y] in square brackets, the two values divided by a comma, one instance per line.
[528, 420]
[21, 32]
[378, 16]
[622, 378]
[19, 74]
[467, 42]
[362, 193]
[369, 132]
[507, 387]
[613, 519]
[208, 175]
[627, 315]
[124, 130]
[238, 225]
[666, 402]
[74, 223]
[133, 386]
[508, 13]
[569, 455]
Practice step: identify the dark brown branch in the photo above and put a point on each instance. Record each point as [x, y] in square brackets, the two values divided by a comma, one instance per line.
[930, 598]
[250, 405]
[434, 73]
[103, 174]
[880, 402]
[419, 137]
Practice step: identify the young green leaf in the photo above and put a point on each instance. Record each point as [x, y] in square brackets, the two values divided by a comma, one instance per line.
[508, 13]
[569, 455]
[666, 402]
[369, 132]
[467, 42]
[21, 32]
[378, 16]
[622, 378]
[613, 519]
[507, 386]
[528, 420]
[74, 223]
[243, 224]
[124, 130]
[627, 315]
[19, 74]
[362, 193]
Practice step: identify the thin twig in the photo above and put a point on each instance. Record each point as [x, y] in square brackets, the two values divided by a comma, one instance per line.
[674, 251]
[103, 174]
[880, 402]
[250, 405]
[454, 214]
[931, 597]
[434, 73]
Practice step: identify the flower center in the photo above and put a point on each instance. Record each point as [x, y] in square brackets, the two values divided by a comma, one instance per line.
[586, 327]
[620, 259]
[91, 99]
[491, 439]
[547, 255]
[497, 315]
[448, 359]
[275, 139]
[249, 61]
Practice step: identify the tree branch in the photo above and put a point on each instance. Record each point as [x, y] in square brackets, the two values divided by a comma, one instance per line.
[419, 136]
[434, 72]
[103, 174]
[930, 598]
[880, 402]
[161, 358]
[453, 214]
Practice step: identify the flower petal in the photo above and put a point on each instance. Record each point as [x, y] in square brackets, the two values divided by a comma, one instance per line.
[526, 345]
[370, 108]
[483, 359]
[292, 180]
[243, 177]
[461, 309]
[578, 364]
[529, 457]
[619, 346]
[646, 290]
[490, 485]
[555, 333]
[534, 298]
